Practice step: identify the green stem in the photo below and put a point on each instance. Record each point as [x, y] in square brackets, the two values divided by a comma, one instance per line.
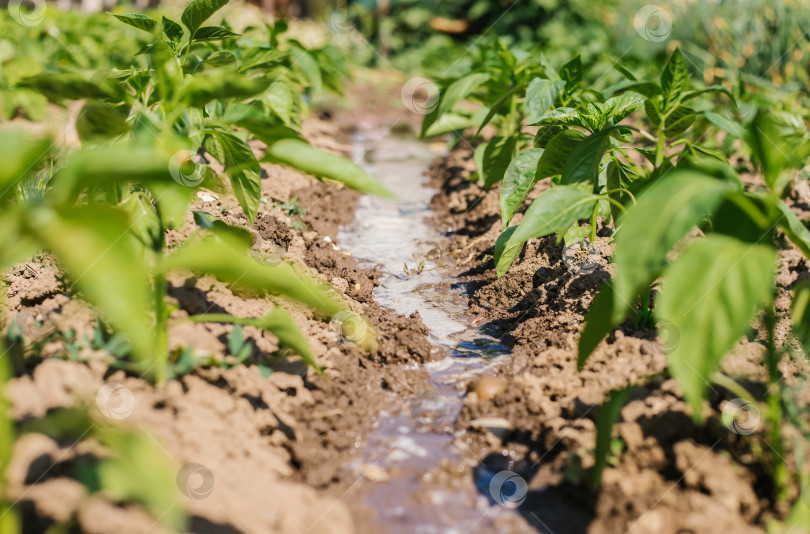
[659, 147]
[222, 318]
[161, 323]
[593, 222]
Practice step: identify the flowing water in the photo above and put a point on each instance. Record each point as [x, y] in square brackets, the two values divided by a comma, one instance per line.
[409, 444]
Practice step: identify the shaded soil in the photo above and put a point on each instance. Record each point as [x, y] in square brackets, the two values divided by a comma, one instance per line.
[667, 474]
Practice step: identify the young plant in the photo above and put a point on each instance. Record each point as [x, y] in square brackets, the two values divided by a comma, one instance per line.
[116, 255]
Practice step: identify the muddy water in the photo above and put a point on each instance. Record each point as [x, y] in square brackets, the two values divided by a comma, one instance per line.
[411, 470]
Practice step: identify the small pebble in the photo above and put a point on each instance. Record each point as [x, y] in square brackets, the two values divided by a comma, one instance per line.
[488, 387]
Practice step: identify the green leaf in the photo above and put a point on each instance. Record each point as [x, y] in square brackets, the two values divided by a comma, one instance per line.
[308, 66]
[279, 98]
[619, 107]
[173, 31]
[571, 72]
[600, 320]
[553, 211]
[725, 124]
[59, 86]
[674, 80]
[213, 33]
[495, 158]
[540, 96]
[557, 153]
[566, 116]
[679, 120]
[583, 163]
[144, 220]
[797, 232]
[800, 315]
[518, 181]
[198, 12]
[302, 156]
[710, 295]
[546, 133]
[244, 172]
[89, 244]
[461, 89]
[665, 212]
[219, 256]
[138, 20]
[281, 325]
[97, 120]
[606, 417]
[201, 89]
[449, 122]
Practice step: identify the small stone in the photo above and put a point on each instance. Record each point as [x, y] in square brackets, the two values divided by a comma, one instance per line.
[488, 387]
[375, 473]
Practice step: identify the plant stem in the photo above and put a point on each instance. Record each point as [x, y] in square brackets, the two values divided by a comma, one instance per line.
[659, 147]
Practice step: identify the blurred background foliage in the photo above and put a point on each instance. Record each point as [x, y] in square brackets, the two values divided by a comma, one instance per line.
[760, 42]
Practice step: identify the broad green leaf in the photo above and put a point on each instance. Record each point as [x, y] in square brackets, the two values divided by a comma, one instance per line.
[571, 72]
[261, 57]
[97, 120]
[213, 33]
[461, 89]
[557, 152]
[679, 120]
[778, 143]
[710, 295]
[725, 124]
[220, 58]
[218, 256]
[606, 417]
[674, 80]
[255, 120]
[502, 255]
[546, 133]
[518, 181]
[540, 96]
[138, 20]
[58, 86]
[553, 211]
[309, 67]
[198, 12]
[449, 122]
[619, 107]
[566, 116]
[800, 315]
[280, 99]
[244, 172]
[304, 157]
[600, 320]
[496, 156]
[665, 212]
[201, 89]
[90, 244]
[583, 163]
[173, 31]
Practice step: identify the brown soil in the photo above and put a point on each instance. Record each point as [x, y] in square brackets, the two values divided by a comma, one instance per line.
[671, 475]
